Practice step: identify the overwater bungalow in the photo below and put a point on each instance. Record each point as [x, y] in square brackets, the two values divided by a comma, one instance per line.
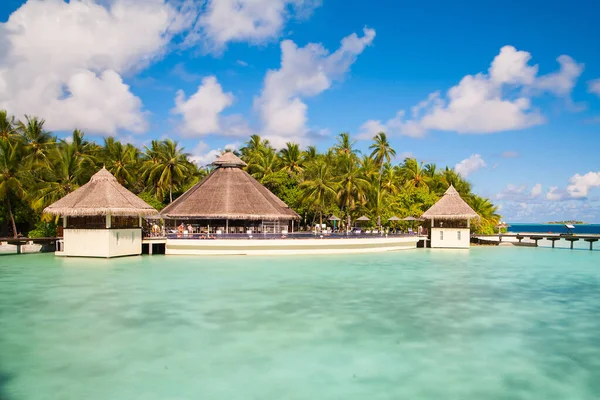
[450, 219]
[229, 200]
[101, 219]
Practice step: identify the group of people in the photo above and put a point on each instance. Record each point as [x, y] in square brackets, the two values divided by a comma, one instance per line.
[183, 230]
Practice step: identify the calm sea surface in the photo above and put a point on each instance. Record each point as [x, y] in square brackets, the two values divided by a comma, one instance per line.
[489, 323]
[554, 228]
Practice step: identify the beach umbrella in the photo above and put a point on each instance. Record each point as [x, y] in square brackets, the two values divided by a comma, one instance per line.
[411, 219]
[334, 219]
[501, 226]
[394, 218]
[363, 218]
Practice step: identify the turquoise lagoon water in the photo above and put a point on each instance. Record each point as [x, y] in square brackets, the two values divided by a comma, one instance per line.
[489, 323]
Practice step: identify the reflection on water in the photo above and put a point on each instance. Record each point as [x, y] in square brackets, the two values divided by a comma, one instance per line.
[493, 323]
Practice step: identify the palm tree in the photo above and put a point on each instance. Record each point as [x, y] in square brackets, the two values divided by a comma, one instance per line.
[353, 186]
[37, 140]
[169, 168]
[291, 158]
[265, 164]
[120, 160]
[7, 127]
[488, 213]
[450, 177]
[345, 146]
[66, 174]
[413, 174]
[319, 187]
[12, 176]
[310, 154]
[389, 178]
[382, 151]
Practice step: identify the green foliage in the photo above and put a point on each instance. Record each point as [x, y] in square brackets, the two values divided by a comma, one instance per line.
[151, 200]
[43, 229]
[37, 169]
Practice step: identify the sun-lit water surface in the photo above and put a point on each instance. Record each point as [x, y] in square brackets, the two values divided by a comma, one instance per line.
[489, 323]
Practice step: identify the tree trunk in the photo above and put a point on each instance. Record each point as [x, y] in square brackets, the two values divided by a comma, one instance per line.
[321, 219]
[170, 194]
[12, 217]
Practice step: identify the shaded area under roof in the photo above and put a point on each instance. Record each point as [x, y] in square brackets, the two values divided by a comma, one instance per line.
[100, 196]
[450, 206]
[229, 193]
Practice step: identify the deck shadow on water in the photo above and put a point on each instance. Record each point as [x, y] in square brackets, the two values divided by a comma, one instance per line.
[4, 380]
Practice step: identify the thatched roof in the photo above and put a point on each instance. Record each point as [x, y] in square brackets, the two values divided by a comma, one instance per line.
[228, 159]
[100, 196]
[450, 206]
[229, 192]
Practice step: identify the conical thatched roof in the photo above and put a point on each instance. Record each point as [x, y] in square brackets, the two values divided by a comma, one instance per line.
[100, 196]
[228, 159]
[450, 206]
[229, 192]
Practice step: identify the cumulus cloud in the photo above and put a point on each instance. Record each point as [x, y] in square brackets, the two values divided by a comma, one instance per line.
[563, 81]
[580, 185]
[469, 165]
[305, 72]
[64, 61]
[512, 192]
[486, 103]
[594, 86]
[536, 190]
[203, 155]
[254, 21]
[201, 112]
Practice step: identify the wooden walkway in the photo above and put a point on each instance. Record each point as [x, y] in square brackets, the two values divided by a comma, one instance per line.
[22, 241]
[553, 237]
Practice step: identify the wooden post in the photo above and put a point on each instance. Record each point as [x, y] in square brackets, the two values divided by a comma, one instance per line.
[227, 226]
[150, 248]
[108, 221]
[64, 221]
[18, 248]
[571, 244]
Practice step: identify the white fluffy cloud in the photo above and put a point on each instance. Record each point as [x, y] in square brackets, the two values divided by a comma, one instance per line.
[580, 185]
[201, 112]
[470, 165]
[485, 103]
[254, 21]
[64, 61]
[536, 190]
[304, 72]
[594, 86]
[202, 155]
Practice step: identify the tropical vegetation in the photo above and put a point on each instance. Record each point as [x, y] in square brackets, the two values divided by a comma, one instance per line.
[37, 168]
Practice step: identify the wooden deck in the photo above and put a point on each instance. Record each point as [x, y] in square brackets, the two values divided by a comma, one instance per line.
[553, 237]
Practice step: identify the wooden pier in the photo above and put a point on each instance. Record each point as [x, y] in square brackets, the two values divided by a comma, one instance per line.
[552, 237]
[22, 241]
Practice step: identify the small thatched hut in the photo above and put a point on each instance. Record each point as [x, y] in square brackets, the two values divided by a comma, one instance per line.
[229, 200]
[450, 221]
[101, 219]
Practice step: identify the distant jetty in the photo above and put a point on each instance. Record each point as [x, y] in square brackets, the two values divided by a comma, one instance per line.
[567, 222]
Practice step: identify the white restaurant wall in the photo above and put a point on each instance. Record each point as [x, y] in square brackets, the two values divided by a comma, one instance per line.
[450, 238]
[102, 242]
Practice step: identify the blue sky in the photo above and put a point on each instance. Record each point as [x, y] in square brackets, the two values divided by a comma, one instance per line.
[509, 96]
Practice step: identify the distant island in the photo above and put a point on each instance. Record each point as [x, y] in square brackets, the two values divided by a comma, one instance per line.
[567, 222]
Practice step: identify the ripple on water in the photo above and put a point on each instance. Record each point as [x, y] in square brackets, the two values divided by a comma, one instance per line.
[493, 323]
